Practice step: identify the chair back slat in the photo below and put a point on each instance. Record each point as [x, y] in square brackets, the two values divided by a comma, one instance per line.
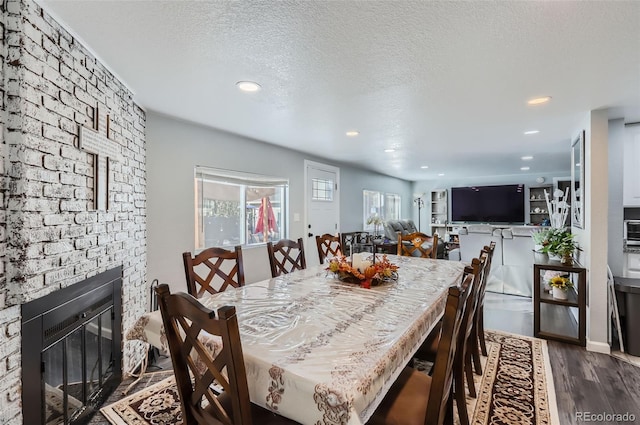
[328, 246]
[196, 366]
[286, 256]
[476, 269]
[349, 238]
[213, 266]
[442, 383]
[413, 243]
[488, 252]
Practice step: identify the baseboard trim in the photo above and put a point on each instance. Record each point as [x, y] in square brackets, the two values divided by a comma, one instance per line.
[598, 347]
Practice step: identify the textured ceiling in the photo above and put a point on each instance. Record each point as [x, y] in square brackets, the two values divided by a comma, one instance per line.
[444, 83]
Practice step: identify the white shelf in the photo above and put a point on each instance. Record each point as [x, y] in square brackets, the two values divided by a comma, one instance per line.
[439, 209]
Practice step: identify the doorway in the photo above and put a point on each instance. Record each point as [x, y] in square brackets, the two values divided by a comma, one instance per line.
[322, 204]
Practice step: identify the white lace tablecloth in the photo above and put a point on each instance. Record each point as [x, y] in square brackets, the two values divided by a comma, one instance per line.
[321, 351]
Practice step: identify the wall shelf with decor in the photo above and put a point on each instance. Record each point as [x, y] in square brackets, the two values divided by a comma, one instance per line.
[552, 317]
[538, 210]
[439, 209]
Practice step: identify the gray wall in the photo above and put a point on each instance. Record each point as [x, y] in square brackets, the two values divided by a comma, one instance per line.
[175, 147]
[354, 181]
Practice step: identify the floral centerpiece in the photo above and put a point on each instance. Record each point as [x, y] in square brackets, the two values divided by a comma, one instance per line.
[367, 275]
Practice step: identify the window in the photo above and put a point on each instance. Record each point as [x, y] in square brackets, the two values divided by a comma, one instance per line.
[235, 208]
[384, 205]
[322, 190]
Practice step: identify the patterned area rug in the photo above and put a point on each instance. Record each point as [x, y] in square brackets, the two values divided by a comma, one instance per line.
[516, 388]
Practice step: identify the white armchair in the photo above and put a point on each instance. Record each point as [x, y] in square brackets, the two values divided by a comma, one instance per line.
[472, 240]
[517, 258]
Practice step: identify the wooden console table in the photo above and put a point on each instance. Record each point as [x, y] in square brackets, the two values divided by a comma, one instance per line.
[552, 318]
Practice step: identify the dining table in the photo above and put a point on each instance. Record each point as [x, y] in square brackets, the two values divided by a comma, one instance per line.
[322, 351]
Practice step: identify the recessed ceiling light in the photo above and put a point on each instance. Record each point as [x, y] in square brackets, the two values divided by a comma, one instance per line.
[532, 132]
[424, 167]
[441, 174]
[389, 150]
[524, 168]
[248, 86]
[526, 158]
[352, 133]
[539, 100]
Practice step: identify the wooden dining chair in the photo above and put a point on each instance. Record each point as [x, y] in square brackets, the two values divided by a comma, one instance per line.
[213, 270]
[412, 243]
[286, 256]
[196, 367]
[328, 246]
[479, 319]
[467, 340]
[416, 398]
[349, 238]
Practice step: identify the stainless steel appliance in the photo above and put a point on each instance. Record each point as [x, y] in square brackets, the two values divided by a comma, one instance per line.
[632, 232]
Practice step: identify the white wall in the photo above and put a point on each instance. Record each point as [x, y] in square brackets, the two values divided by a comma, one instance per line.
[593, 237]
[616, 211]
[175, 147]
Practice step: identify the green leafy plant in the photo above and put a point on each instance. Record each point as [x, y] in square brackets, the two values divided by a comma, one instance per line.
[539, 236]
[556, 241]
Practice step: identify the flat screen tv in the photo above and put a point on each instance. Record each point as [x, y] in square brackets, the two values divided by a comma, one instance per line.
[488, 204]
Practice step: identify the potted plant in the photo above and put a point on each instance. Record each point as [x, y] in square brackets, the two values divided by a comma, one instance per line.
[539, 237]
[565, 247]
[560, 285]
[558, 243]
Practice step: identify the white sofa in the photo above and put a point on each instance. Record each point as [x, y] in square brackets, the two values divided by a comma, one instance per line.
[517, 261]
[472, 240]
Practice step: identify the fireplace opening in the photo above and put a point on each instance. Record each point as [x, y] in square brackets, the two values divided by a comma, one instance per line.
[71, 350]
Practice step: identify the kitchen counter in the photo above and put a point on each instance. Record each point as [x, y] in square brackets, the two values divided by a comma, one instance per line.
[632, 249]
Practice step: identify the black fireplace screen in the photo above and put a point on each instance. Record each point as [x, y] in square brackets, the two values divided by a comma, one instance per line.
[72, 350]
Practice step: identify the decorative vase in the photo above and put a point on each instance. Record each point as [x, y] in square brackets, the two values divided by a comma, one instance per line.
[554, 256]
[559, 294]
[567, 260]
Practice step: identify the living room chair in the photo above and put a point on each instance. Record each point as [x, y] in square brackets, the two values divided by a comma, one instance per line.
[416, 398]
[213, 266]
[417, 245]
[196, 367]
[328, 246]
[286, 256]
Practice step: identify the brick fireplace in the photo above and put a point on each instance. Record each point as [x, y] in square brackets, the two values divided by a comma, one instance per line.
[51, 237]
[71, 350]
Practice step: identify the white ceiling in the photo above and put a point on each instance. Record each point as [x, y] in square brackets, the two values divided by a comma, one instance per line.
[445, 83]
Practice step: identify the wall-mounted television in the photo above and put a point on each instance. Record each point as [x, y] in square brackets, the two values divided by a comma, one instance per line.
[488, 204]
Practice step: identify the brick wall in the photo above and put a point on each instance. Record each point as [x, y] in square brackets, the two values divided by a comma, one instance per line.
[49, 236]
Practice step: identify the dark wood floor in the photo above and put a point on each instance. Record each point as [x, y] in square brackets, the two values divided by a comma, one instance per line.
[584, 381]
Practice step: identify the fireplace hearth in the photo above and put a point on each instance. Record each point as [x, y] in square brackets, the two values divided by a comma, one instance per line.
[71, 350]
